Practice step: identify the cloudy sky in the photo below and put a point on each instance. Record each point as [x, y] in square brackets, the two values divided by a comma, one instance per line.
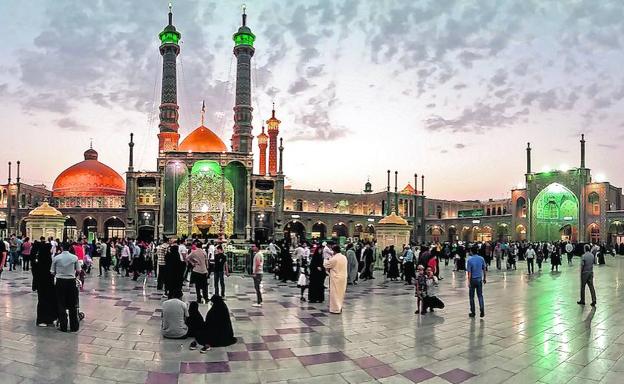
[451, 89]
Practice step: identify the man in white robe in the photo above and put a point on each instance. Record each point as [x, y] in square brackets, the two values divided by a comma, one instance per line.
[336, 267]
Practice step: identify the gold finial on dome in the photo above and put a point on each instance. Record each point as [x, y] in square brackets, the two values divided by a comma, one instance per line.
[203, 112]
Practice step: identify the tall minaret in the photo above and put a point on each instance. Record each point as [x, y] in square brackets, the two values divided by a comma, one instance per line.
[243, 50]
[169, 49]
[582, 150]
[262, 145]
[273, 124]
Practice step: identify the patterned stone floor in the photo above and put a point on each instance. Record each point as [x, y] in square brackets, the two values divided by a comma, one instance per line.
[533, 332]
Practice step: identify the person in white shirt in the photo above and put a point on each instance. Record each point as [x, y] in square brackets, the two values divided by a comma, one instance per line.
[274, 250]
[183, 255]
[258, 265]
[327, 252]
[54, 246]
[530, 256]
[174, 315]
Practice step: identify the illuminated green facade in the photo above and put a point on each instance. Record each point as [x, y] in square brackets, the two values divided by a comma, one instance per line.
[555, 214]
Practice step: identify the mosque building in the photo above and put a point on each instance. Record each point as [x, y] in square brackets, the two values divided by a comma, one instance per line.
[203, 187]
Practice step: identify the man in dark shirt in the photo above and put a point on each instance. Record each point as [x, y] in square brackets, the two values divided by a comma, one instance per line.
[221, 269]
[587, 276]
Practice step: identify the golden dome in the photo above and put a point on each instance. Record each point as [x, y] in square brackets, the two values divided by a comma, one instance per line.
[202, 139]
[392, 218]
[45, 210]
[89, 178]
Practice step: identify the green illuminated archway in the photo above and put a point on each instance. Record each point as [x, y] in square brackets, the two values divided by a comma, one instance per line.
[207, 184]
[554, 208]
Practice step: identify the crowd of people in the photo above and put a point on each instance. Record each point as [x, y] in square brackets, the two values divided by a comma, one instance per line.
[59, 270]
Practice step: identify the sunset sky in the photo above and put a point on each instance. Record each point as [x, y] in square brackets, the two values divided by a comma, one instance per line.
[451, 89]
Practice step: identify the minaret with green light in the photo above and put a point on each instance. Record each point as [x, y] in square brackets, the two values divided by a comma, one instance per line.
[169, 49]
[243, 50]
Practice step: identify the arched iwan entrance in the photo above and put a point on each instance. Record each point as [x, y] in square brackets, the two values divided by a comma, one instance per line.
[319, 230]
[555, 214]
[295, 231]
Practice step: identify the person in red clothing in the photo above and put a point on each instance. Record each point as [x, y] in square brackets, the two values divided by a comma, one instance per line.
[432, 263]
[79, 251]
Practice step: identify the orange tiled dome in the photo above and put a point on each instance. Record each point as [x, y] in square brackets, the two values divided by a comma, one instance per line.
[202, 139]
[89, 178]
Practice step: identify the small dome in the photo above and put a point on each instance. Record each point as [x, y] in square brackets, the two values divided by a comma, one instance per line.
[202, 139]
[89, 178]
[408, 190]
[392, 218]
[45, 210]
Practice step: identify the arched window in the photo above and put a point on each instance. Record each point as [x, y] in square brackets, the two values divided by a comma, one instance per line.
[488, 212]
[594, 203]
[521, 207]
[299, 205]
[498, 211]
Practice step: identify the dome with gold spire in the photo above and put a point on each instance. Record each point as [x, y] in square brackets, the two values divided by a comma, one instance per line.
[393, 219]
[89, 178]
[202, 139]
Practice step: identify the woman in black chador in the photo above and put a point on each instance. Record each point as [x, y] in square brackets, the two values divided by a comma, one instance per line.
[218, 331]
[46, 305]
[316, 289]
[393, 264]
[174, 268]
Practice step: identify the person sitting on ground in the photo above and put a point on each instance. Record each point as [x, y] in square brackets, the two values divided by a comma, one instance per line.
[174, 315]
[431, 299]
[218, 328]
[196, 327]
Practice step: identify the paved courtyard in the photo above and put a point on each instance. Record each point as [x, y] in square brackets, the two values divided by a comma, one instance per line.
[533, 332]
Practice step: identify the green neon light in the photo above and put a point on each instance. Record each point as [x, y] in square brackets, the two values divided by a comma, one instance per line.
[554, 208]
[206, 167]
[169, 37]
[243, 38]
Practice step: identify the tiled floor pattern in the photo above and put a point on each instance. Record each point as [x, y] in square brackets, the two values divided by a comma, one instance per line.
[533, 332]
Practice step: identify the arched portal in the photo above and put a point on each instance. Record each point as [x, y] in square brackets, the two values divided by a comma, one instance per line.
[452, 234]
[358, 229]
[593, 233]
[295, 231]
[482, 234]
[370, 229]
[521, 208]
[520, 232]
[70, 230]
[593, 204]
[554, 209]
[616, 233]
[114, 228]
[465, 234]
[436, 233]
[211, 195]
[89, 228]
[340, 230]
[319, 230]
